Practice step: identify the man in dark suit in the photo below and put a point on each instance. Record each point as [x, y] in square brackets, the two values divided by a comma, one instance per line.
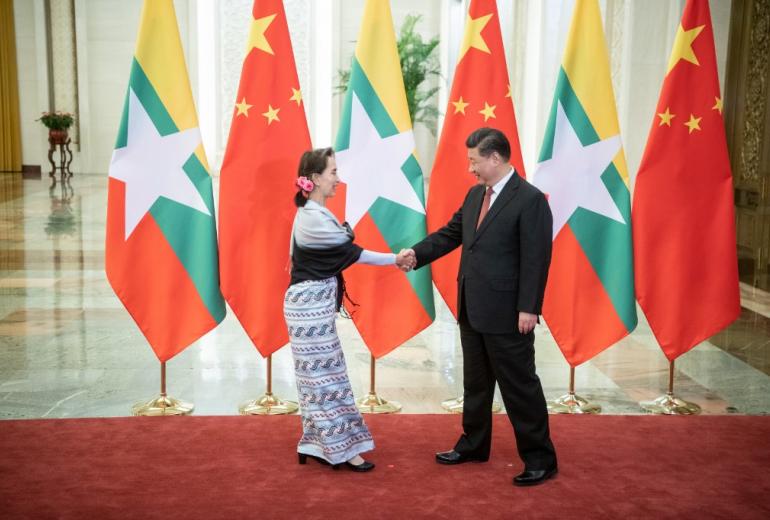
[504, 227]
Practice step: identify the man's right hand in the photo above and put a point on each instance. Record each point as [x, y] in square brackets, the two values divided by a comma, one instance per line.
[406, 260]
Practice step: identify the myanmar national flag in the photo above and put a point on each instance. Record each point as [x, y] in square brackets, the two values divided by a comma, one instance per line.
[161, 250]
[383, 195]
[268, 134]
[480, 96]
[684, 221]
[589, 299]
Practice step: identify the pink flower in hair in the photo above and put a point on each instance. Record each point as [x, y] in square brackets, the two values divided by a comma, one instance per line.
[305, 184]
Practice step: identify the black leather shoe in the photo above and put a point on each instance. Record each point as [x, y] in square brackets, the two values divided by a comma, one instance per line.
[534, 477]
[452, 457]
[360, 468]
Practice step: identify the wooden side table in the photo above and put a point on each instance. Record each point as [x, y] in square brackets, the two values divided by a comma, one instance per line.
[64, 159]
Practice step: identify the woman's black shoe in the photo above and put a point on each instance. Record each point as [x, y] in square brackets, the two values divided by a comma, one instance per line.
[361, 468]
[302, 457]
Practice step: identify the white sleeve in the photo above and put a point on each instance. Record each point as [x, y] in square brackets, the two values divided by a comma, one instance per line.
[374, 258]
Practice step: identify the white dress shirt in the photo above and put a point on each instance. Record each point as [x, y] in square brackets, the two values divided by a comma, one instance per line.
[497, 188]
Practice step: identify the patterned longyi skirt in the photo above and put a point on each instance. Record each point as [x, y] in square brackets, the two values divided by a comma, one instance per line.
[332, 426]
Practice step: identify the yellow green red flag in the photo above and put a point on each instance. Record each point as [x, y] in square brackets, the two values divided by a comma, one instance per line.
[589, 300]
[382, 197]
[161, 247]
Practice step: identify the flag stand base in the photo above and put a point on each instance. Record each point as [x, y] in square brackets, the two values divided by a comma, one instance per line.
[456, 405]
[572, 403]
[268, 404]
[162, 405]
[670, 405]
[373, 403]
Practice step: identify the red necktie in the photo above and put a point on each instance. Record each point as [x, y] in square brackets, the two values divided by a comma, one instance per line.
[484, 206]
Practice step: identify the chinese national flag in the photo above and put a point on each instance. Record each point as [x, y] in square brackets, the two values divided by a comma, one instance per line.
[268, 134]
[684, 227]
[480, 96]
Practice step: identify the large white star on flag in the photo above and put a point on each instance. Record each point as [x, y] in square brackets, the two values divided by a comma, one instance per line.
[371, 167]
[572, 176]
[151, 165]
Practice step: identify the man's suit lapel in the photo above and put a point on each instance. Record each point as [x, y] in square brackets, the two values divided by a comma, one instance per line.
[500, 202]
[474, 208]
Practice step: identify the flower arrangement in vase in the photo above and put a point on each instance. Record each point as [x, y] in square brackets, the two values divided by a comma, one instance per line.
[58, 124]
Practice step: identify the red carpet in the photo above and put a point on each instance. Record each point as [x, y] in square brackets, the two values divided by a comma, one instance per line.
[245, 467]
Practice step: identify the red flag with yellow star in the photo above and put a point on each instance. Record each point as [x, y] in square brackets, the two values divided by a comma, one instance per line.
[268, 134]
[684, 227]
[480, 96]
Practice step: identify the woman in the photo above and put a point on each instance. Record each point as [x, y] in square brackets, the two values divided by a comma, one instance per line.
[334, 432]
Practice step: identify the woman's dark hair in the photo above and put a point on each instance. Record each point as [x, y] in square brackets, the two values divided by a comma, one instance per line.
[489, 140]
[312, 161]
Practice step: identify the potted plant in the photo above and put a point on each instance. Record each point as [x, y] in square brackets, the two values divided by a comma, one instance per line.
[58, 123]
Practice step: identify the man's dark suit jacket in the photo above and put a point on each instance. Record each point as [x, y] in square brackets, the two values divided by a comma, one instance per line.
[504, 264]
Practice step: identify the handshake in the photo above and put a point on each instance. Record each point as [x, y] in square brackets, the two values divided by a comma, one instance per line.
[406, 260]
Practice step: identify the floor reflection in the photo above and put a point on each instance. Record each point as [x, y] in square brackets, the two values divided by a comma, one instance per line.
[62, 220]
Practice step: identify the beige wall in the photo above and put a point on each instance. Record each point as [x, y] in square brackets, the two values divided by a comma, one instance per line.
[106, 33]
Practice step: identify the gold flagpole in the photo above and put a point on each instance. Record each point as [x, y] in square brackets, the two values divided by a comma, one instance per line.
[268, 404]
[373, 403]
[571, 402]
[163, 404]
[669, 404]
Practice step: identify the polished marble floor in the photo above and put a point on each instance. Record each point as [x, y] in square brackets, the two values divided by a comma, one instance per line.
[69, 349]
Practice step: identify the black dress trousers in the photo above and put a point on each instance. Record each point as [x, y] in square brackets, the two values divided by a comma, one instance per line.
[509, 360]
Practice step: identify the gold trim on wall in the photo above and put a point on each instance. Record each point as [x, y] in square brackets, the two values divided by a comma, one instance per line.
[747, 121]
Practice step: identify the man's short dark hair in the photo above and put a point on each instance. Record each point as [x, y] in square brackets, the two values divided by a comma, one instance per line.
[489, 140]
